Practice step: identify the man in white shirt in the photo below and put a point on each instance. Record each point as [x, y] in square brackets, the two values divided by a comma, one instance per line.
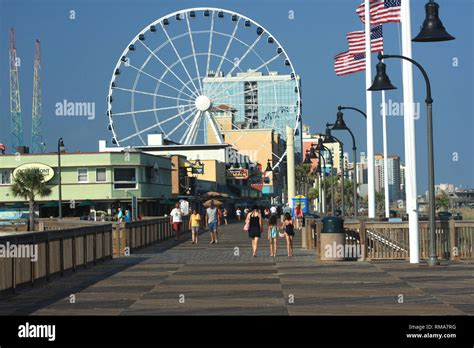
[176, 219]
[238, 212]
[273, 210]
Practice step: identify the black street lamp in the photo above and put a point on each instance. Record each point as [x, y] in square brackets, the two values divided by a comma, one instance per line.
[432, 29]
[340, 124]
[269, 166]
[323, 176]
[331, 139]
[382, 82]
[60, 149]
[321, 148]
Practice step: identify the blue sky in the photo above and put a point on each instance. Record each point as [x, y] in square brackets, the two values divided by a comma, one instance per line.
[78, 57]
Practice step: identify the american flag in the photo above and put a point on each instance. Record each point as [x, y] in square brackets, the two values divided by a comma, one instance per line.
[381, 11]
[356, 40]
[346, 63]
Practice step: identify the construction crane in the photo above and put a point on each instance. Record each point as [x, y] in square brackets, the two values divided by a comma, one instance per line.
[15, 106]
[36, 137]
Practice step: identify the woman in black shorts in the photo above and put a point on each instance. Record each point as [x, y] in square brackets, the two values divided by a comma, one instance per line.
[288, 227]
[255, 228]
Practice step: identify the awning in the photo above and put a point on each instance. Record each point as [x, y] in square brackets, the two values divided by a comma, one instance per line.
[51, 204]
[168, 202]
[86, 203]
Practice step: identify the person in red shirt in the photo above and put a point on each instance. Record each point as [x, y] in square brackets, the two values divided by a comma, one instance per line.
[299, 216]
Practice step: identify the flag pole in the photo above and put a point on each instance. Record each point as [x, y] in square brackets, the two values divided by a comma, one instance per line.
[370, 124]
[409, 129]
[385, 155]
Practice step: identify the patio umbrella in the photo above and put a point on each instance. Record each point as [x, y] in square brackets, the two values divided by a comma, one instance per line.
[51, 204]
[208, 203]
[216, 194]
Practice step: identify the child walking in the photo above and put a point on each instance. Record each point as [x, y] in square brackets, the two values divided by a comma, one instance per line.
[195, 225]
[272, 235]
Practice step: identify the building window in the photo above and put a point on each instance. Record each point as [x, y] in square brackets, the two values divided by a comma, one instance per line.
[5, 177]
[100, 175]
[82, 175]
[125, 178]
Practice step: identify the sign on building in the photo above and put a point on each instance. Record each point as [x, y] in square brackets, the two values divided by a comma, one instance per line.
[238, 174]
[44, 169]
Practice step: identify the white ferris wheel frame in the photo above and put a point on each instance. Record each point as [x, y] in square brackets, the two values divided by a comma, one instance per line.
[186, 11]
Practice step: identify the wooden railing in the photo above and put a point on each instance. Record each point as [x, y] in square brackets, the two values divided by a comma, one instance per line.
[66, 245]
[57, 253]
[131, 236]
[390, 240]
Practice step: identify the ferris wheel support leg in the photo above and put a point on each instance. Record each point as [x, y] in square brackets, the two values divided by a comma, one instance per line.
[215, 128]
[193, 129]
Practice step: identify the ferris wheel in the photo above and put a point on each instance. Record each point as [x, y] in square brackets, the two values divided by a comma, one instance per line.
[203, 75]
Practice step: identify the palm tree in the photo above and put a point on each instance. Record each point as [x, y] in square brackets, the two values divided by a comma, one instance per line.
[442, 200]
[28, 184]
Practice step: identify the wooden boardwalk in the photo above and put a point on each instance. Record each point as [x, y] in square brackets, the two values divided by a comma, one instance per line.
[178, 278]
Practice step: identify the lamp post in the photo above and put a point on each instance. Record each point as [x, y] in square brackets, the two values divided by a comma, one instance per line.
[60, 149]
[322, 200]
[382, 82]
[321, 148]
[340, 124]
[331, 139]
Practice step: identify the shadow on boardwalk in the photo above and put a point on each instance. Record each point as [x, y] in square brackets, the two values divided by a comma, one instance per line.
[179, 278]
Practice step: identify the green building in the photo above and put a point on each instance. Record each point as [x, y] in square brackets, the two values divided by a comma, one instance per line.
[101, 181]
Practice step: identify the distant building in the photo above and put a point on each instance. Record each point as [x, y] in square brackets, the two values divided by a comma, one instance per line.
[393, 163]
[252, 96]
[100, 181]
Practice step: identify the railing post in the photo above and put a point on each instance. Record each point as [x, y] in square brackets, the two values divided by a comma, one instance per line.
[94, 246]
[453, 248]
[14, 268]
[61, 256]
[363, 240]
[85, 251]
[74, 251]
[318, 239]
[32, 267]
[103, 244]
[48, 258]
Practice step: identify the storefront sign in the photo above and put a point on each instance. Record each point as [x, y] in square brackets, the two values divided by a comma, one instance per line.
[46, 170]
[238, 174]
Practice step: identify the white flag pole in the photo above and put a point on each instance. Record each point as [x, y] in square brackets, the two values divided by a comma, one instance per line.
[370, 123]
[409, 129]
[385, 155]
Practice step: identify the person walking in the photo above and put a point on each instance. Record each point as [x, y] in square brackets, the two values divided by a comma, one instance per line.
[128, 217]
[225, 214]
[273, 234]
[238, 213]
[273, 210]
[254, 218]
[212, 220]
[176, 219]
[194, 225]
[267, 214]
[120, 215]
[287, 226]
[299, 216]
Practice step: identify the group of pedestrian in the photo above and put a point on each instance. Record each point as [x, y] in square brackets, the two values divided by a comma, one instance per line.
[123, 216]
[254, 226]
[211, 220]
